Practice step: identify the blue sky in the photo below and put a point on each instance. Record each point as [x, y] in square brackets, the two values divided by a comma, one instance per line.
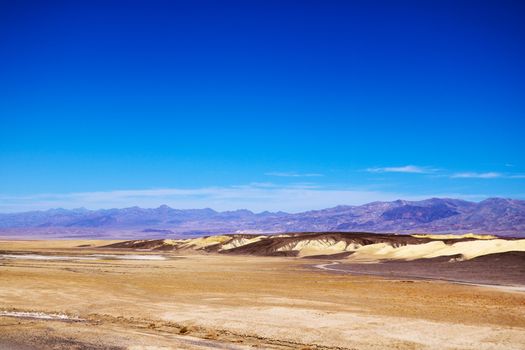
[277, 105]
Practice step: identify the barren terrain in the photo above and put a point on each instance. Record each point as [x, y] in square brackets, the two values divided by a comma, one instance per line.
[83, 297]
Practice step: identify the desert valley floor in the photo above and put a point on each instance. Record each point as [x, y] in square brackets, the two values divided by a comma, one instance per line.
[76, 295]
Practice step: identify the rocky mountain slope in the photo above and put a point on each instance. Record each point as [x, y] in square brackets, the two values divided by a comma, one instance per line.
[436, 215]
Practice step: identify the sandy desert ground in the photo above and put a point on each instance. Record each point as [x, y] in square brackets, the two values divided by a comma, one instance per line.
[71, 295]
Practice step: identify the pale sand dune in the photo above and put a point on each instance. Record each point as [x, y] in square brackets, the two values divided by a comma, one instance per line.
[240, 241]
[166, 241]
[468, 235]
[205, 241]
[226, 242]
[362, 249]
[318, 247]
[195, 243]
[378, 251]
[468, 249]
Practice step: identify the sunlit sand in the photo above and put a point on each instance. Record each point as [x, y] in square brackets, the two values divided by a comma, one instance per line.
[214, 300]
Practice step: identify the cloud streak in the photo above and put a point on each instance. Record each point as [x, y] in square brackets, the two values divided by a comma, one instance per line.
[407, 169]
[474, 175]
[486, 175]
[415, 169]
[292, 174]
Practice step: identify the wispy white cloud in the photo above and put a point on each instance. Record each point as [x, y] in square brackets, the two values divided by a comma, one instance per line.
[415, 169]
[256, 197]
[486, 175]
[292, 174]
[475, 175]
[408, 169]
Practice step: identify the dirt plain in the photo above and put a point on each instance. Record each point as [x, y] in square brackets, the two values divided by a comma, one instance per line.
[213, 301]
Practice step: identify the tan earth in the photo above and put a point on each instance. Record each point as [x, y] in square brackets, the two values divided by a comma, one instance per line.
[213, 301]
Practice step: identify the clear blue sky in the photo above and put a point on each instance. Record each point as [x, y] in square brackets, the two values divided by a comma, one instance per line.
[286, 105]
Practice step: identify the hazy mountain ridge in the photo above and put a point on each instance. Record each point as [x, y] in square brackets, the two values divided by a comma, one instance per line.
[494, 215]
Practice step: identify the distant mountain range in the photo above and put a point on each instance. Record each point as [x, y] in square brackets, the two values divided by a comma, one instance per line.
[435, 215]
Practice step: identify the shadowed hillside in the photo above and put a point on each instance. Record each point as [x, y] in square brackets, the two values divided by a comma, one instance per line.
[358, 247]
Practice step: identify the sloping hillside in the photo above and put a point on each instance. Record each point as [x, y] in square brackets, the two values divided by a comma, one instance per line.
[357, 247]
